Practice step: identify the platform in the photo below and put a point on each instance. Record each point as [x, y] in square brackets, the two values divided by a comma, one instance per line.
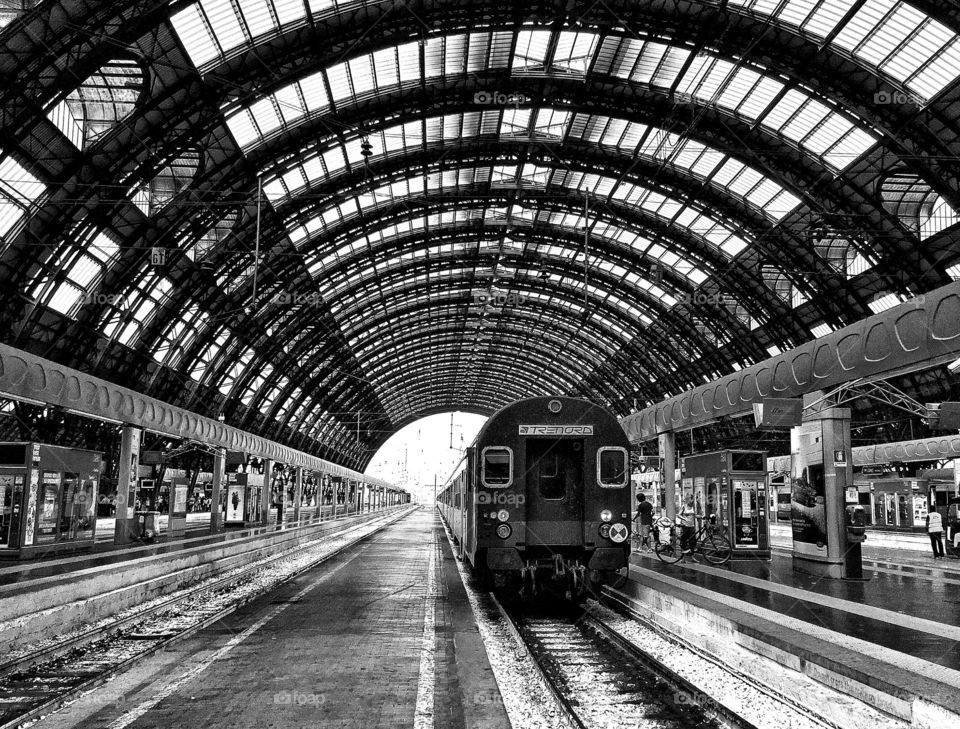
[381, 635]
[896, 634]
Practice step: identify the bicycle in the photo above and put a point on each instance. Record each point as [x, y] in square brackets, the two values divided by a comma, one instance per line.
[710, 540]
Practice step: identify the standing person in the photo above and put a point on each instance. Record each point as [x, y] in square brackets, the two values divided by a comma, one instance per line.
[935, 530]
[645, 518]
[688, 520]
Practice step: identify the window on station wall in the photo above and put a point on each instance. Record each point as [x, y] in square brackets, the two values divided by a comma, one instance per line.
[19, 192]
[73, 273]
[915, 203]
[99, 103]
[129, 314]
[172, 179]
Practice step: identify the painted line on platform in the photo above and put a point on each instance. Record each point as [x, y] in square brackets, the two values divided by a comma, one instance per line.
[423, 715]
[131, 716]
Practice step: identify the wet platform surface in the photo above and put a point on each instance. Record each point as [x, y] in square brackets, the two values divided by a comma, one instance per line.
[13, 571]
[891, 609]
[380, 635]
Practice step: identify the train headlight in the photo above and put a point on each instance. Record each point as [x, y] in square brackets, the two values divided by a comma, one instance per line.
[554, 406]
[504, 531]
[503, 515]
[606, 515]
[605, 531]
[619, 533]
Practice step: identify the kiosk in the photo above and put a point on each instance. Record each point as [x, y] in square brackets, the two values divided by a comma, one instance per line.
[732, 485]
[49, 497]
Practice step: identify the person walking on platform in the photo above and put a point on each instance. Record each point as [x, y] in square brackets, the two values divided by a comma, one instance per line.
[645, 518]
[935, 530]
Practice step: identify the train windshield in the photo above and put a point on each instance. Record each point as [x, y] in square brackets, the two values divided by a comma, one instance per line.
[497, 467]
[555, 466]
[612, 467]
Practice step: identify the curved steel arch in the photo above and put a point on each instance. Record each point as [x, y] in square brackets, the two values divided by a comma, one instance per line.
[135, 19]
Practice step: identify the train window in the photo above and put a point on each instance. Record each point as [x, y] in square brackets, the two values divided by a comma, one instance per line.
[612, 469]
[497, 467]
[555, 466]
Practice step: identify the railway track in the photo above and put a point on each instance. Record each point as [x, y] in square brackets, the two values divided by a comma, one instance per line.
[41, 681]
[603, 682]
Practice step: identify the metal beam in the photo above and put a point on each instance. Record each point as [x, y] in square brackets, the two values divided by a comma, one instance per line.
[26, 376]
[919, 334]
[925, 449]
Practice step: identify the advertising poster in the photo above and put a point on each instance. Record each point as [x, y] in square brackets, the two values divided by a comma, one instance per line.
[808, 511]
[180, 498]
[235, 502]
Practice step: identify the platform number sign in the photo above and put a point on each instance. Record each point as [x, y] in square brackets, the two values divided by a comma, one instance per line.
[158, 256]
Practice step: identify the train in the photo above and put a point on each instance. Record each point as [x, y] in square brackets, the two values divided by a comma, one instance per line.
[541, 499]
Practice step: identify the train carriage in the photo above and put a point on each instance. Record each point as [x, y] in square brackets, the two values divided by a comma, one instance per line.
[542, 496]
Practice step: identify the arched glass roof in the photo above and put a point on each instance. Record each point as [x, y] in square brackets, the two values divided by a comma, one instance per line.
[324, 219]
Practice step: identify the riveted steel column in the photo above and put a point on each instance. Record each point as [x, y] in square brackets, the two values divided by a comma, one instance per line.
[216, 508]
[668, 460]
[125, 527]
[266, 492]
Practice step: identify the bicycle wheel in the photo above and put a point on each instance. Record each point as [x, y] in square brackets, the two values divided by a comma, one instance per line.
[716, 547]
[669, 550]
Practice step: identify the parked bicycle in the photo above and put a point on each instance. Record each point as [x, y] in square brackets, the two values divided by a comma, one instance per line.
[710, 540]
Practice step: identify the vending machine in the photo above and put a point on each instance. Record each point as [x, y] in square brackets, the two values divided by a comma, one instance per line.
[732, 485]
[49, 498]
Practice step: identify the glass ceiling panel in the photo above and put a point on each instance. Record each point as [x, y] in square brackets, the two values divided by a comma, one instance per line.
[894, 38]
[672, 211]
[742, 91]
[212, 30]
[682, 154]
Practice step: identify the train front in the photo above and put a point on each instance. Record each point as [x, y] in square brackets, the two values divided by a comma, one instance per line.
[553, 503]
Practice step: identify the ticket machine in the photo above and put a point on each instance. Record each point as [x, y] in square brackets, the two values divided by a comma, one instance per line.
[733, 486]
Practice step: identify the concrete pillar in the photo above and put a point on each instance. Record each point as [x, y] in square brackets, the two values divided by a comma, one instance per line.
[668, 459]
[361, 492]
[219, 473]
[822, 469]
[125, 527]
[266, 491]
[297, 493]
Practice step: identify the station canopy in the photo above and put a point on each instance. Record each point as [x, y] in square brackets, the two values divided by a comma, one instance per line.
[324, 219]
